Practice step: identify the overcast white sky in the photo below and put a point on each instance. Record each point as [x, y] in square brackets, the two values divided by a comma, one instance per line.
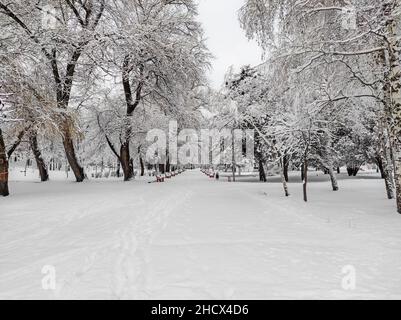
[225, 38]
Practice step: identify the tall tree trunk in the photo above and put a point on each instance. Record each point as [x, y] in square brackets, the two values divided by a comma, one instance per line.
[386, 162]
[262, 173]
[16, 144]
[379, 163]
[286, 164]
[333, 178]
[392, 88]
[234, 165]
[44, 175]
[132, 103]
[392, 12]
[70, 153]
[302, 172]
[285, 186]
[328, 163]
[353, 170]
[305, 180]
[389, 182]
[118, 168]
[168, 167]
[142, 164]
[398, 174]
[3, 168]
[284, 181]
[126, 162]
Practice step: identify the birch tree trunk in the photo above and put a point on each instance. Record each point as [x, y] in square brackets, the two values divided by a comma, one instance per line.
[394, 50]
[398, 175]
[284, 179]
[328, 164]
[384, 158]
[388, 180]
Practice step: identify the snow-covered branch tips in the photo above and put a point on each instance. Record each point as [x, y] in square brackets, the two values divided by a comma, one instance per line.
[349, 20]
[201, 147]
[49, 17]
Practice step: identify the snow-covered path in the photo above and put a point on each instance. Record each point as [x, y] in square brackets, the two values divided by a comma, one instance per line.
[195, 238]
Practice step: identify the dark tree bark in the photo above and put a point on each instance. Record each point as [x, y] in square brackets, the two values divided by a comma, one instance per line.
[168, 167]
[379, 163]
[142, 164]
[132, 104]
[333, 179]
[118, 174]
[302, 172]
[305, 180]
[132, 100]
[126, 162]
[3, 168]
[16, 144]
[71, 156]
[286, 164]
[44, 175]
[262, 173]
[353, 171]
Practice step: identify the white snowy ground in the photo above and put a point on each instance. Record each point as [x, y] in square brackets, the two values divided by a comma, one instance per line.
[195, 238]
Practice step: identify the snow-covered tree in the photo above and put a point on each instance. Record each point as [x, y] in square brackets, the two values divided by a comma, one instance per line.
[359, 37]
[60, 33]
[156, 48]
